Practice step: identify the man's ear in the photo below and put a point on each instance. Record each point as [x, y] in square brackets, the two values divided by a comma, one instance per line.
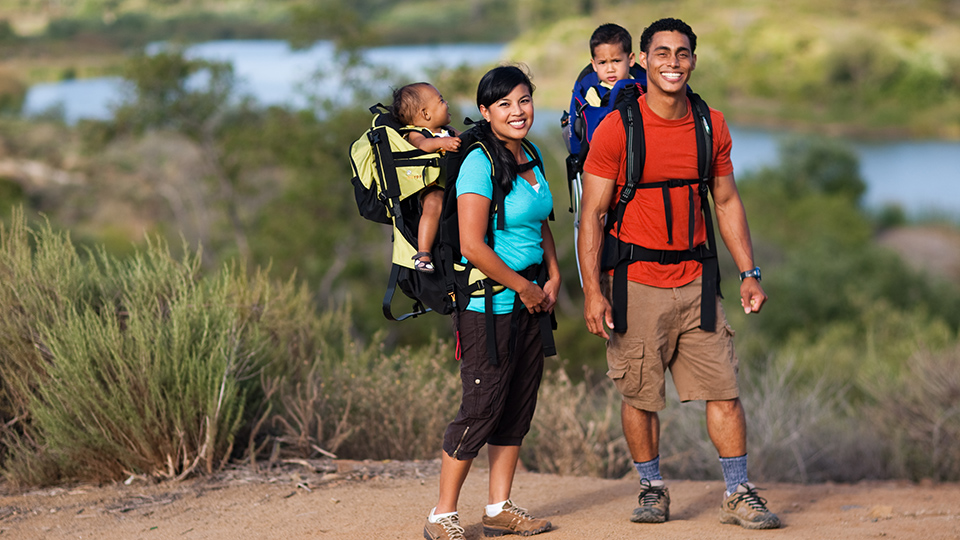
[643, 60]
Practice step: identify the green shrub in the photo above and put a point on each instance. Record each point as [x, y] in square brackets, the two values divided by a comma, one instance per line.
[576, 429]
[141, 366]
[918, 413]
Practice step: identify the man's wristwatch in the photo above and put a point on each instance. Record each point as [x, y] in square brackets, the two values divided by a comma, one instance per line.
[755, 273]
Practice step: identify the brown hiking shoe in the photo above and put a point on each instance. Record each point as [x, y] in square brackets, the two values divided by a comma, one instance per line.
[513, 520]
[447, 528]
[654, 503]
[747, 509]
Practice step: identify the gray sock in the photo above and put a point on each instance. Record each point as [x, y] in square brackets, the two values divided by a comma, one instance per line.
[649, 470]
[734, 471]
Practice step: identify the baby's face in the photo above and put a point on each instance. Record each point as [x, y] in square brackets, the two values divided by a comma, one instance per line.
[611, 63]
[436, 108]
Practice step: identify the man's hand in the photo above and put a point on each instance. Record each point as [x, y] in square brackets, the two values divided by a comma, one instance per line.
[597, 313]
[752, 296]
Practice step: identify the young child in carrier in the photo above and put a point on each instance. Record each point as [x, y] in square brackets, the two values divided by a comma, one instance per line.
[421, 105]
[611, 55]
[611, 60]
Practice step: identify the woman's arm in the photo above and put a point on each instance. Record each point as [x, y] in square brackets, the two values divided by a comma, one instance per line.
[474, 215]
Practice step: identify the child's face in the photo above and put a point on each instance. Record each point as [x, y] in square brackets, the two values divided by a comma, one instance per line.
[434, 111]
[611, 63]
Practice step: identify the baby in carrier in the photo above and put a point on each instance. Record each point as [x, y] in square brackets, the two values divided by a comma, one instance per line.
[421, 105]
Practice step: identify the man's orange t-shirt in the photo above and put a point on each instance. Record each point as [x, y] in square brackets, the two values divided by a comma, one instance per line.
[671, 153]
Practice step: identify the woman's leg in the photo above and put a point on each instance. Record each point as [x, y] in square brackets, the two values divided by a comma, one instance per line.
[452, 474]
[503, 467]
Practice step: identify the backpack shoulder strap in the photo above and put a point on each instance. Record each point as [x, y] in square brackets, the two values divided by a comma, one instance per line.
[537, 162]
[704, 130]
[636, 150]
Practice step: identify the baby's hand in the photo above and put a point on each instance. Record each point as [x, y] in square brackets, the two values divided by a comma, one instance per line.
[451, 143]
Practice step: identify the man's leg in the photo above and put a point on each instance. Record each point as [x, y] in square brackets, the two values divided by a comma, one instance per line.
[642, 431]
[727, 426]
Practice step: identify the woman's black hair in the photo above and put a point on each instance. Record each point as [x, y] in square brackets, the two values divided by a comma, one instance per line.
[494, 86]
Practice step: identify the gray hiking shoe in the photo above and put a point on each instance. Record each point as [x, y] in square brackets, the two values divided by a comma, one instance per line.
[745, 508]
[513, 520]
[447, 528]
[654, 503]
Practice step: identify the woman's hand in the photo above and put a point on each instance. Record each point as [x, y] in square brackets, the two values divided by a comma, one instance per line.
[533, 297]
[552, 290]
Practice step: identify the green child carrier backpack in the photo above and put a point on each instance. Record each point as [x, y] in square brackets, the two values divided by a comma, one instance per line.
[389, 174]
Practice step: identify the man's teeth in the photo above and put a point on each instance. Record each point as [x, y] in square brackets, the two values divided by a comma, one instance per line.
[672, 76]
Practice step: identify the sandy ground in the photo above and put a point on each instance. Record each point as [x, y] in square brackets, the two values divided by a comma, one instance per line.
[348, 501]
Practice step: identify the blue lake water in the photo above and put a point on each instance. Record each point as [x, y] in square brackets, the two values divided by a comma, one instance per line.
[923, 177]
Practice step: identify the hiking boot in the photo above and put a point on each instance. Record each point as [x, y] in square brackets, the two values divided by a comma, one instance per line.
[745, 508]
[654, 503]
[447, 528]
[513, 520]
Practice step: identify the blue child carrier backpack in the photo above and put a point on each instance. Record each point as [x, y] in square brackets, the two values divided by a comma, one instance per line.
[578, 123]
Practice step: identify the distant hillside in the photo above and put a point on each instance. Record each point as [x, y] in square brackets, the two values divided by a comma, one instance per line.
[881, 68]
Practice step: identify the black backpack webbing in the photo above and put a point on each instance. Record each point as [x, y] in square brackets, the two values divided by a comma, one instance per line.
[536, 272]
[619, 254]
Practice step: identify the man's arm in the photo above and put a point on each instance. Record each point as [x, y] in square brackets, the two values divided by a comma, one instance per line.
[732, 219]
[594, 202]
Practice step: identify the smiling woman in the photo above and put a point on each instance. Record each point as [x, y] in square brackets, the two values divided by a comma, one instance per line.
[501, 181]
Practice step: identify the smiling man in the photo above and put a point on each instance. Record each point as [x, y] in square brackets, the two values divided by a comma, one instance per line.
[650, 274]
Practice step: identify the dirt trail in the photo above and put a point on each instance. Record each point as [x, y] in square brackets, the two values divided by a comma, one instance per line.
[321, 505]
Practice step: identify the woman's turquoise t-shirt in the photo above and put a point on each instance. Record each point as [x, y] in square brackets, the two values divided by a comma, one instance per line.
[519, 244]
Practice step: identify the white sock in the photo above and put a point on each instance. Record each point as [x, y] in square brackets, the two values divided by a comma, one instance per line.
[433, 518]
[494, 509]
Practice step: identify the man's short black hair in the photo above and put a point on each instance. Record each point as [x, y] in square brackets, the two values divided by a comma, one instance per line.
[611, 34]
[667, 25]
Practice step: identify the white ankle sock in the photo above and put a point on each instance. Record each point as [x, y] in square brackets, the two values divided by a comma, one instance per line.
[433, 518]
[494, 509]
